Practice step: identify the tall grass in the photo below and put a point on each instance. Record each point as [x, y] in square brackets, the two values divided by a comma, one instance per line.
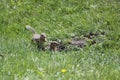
[59, 19]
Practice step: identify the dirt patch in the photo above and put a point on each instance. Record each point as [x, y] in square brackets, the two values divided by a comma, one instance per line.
[76, 42]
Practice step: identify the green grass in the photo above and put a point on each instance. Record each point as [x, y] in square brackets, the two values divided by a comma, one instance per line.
[59, 19]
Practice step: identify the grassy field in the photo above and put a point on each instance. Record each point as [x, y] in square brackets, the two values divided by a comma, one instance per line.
[59, 19]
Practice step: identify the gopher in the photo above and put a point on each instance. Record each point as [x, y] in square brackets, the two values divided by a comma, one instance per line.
[39, 39]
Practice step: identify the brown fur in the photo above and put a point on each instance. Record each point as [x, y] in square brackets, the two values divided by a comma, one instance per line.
[39, 39]
[53, 45]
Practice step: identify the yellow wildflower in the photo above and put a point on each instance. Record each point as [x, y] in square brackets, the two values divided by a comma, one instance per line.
[63, 70]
